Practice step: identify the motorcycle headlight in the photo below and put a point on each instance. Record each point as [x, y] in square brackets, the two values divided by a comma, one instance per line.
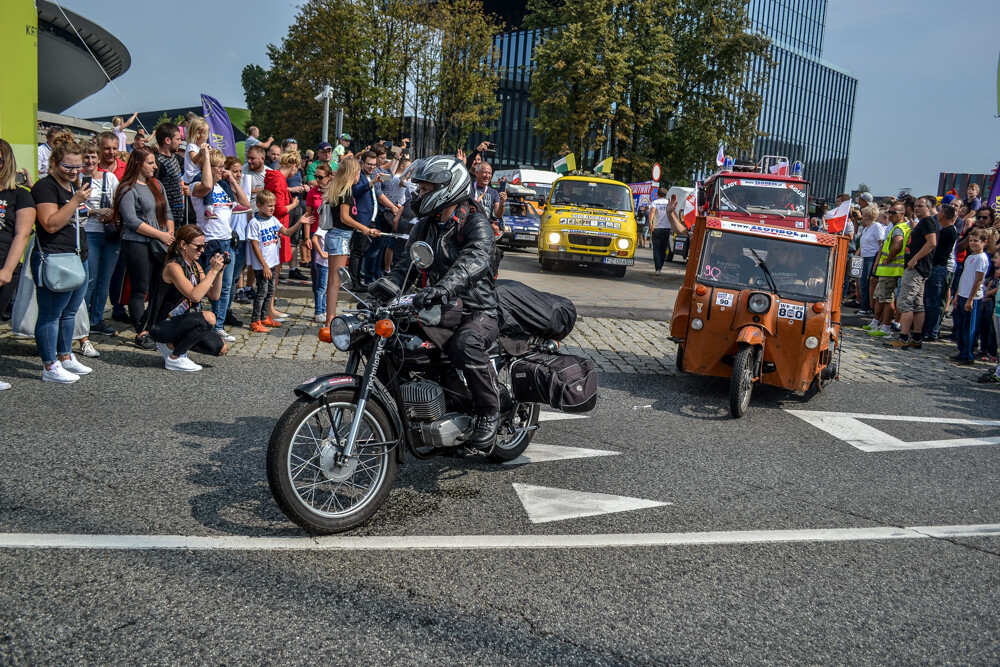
[554, 237]
[345, 330]
[623, 244]
[759, 303]
[697, 324]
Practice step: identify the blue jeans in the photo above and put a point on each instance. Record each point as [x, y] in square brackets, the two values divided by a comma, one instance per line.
[56, 315]
[239, 263]
[221, 305]
[371, 266]
[934, 289]
[865, 280]
[965, 325]
[319, 275]
[661, 244]
[100, 266]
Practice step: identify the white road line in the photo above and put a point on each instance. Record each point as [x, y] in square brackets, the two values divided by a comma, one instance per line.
[543, 504]
[472, 542]
[546, 416]
[539, 453]
[847, 427]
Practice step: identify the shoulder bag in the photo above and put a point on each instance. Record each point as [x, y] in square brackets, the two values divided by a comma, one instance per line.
[112, 228]
[64, 271]
[326, 216]
[156, 247]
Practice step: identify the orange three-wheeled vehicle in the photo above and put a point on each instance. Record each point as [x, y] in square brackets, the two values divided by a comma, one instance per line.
[760, 304]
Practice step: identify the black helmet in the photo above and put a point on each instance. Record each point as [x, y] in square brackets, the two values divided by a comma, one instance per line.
[451, 180]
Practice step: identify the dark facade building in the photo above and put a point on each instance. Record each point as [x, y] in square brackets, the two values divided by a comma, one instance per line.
[808, 105]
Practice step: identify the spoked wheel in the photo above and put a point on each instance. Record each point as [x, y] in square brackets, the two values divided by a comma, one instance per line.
[741, 384]
[512, 442]
[309, 478]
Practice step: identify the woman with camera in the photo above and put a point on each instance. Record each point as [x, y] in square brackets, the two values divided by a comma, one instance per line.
[175, 319]
[141, 205]
[58, 201]
[103, 238]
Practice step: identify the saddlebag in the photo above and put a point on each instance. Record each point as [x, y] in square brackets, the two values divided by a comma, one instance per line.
[524, 311]
[564, 381]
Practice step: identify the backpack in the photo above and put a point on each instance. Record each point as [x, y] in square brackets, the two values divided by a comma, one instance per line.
[564, 381]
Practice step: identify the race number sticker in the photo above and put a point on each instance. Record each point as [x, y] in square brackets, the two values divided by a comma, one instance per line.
[791, 311]
[723, 299]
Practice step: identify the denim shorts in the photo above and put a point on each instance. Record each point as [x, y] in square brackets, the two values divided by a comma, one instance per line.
[338, 241]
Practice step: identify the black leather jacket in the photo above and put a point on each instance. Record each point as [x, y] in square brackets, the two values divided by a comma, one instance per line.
[464, 249]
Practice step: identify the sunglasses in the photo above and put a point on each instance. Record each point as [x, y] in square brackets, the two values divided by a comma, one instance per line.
[71, 167]
[197, 246]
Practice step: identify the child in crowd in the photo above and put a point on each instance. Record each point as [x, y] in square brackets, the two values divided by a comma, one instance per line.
[197, 135]
[970, 293]
[994, 375]
[264, 234]
[320, 269]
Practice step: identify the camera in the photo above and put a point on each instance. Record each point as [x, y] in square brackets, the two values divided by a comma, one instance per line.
[226, 259]
[491, 151]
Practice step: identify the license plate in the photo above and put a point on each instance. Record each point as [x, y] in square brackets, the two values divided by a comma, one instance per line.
[525, 237]
[678, 246]
[627, 261]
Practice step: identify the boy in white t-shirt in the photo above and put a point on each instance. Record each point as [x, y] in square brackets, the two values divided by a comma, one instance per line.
[969, 296]
[264, 234]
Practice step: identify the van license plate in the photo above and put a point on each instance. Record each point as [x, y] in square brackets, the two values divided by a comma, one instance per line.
[525, 237]
[627, 261]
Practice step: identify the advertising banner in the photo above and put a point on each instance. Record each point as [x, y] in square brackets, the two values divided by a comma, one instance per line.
[220, 130]
[643, 193]
[19, 80]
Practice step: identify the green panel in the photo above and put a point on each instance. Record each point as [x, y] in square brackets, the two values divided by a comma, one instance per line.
[19, 80]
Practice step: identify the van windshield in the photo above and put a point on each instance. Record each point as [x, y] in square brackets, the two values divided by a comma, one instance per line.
[799, 270]
[593, 195]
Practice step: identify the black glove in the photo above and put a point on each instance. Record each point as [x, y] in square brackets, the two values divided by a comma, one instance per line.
[429, 296]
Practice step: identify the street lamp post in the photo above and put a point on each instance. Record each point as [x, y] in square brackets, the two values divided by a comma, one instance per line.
[325, 98]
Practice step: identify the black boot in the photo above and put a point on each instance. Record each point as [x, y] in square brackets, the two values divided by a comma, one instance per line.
[484, 435]
[231, 320]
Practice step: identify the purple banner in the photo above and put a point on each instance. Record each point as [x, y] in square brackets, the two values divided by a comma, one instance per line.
[993, 201]
[220, 130]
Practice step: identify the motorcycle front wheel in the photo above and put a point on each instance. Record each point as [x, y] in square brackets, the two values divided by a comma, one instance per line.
[309, 479]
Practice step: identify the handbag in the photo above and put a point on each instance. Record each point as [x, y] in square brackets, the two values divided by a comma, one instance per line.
[64, 271]
[326, 216]
[25, 313]
[112, 228]
[157, 248]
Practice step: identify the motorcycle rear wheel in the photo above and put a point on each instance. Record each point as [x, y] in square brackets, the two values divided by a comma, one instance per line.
[511, 445]
[307, 483]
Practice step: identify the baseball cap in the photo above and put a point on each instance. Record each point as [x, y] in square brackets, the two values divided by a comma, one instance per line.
[323, 145]
[867, 196]
[345, 137]
[947, 199]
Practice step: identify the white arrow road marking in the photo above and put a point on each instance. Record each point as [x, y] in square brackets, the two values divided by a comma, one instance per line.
[544, 503]
[499, 542]
[546, 416]
[847, 427]
[537, 453]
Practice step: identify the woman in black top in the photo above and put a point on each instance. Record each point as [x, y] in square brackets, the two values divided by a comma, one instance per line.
[17, 216]
[58, 199]
[175, 319]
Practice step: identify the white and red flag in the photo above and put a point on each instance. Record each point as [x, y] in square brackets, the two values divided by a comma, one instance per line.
[837, 218]
[690, 210]
[720, 157]
[781, 168]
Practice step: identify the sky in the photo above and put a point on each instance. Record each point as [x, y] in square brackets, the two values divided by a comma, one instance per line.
[927, 78]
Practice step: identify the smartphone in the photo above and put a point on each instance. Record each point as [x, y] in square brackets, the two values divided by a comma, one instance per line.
[388, 145]
[395, 150]
[502, 187]
[85, 182]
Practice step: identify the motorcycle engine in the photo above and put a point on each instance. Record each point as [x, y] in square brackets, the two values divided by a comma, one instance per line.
[424, 402]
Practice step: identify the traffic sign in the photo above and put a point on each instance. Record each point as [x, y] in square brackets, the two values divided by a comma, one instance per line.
[656, 171]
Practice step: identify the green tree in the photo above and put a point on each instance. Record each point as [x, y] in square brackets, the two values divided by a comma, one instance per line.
[254, 80]
[863, 187]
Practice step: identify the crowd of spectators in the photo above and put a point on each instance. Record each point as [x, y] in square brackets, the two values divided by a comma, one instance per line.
[165, 223]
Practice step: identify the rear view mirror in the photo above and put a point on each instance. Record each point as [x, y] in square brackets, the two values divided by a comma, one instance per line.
[421, 254]
[344, 275]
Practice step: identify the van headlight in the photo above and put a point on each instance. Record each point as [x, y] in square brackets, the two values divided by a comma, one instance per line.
[345, 330]
[697, 324]
[623, 244]
[759, 303]
[812, 342]
[554, 237]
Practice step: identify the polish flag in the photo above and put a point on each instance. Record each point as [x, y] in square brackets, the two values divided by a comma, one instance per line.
[837, 218]
[690, 206]
[720, 157]
[781, 169]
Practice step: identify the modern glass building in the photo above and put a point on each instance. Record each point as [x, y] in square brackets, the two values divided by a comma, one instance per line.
[808, 105]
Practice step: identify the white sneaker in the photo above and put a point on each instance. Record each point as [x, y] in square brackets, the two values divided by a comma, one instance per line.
[4, 385]
[57, 373]
[320, 318]
[74, 366]
[181, 363]
[229, 338]
[88, 349]
[163, 350]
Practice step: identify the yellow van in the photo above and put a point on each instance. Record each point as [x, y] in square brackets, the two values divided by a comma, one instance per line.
[588, 220]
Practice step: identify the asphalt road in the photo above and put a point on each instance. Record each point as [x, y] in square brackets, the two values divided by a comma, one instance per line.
[134, 450]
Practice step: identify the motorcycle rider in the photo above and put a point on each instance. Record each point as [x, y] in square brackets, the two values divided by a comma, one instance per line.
[459, 232]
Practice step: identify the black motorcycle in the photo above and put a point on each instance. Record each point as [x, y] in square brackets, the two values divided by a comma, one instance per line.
[334, 453]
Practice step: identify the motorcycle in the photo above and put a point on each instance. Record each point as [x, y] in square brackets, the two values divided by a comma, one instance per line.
[334, 453]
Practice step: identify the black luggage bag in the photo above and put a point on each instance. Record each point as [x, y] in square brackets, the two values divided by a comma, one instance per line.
[524, 311]
[564, 381]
